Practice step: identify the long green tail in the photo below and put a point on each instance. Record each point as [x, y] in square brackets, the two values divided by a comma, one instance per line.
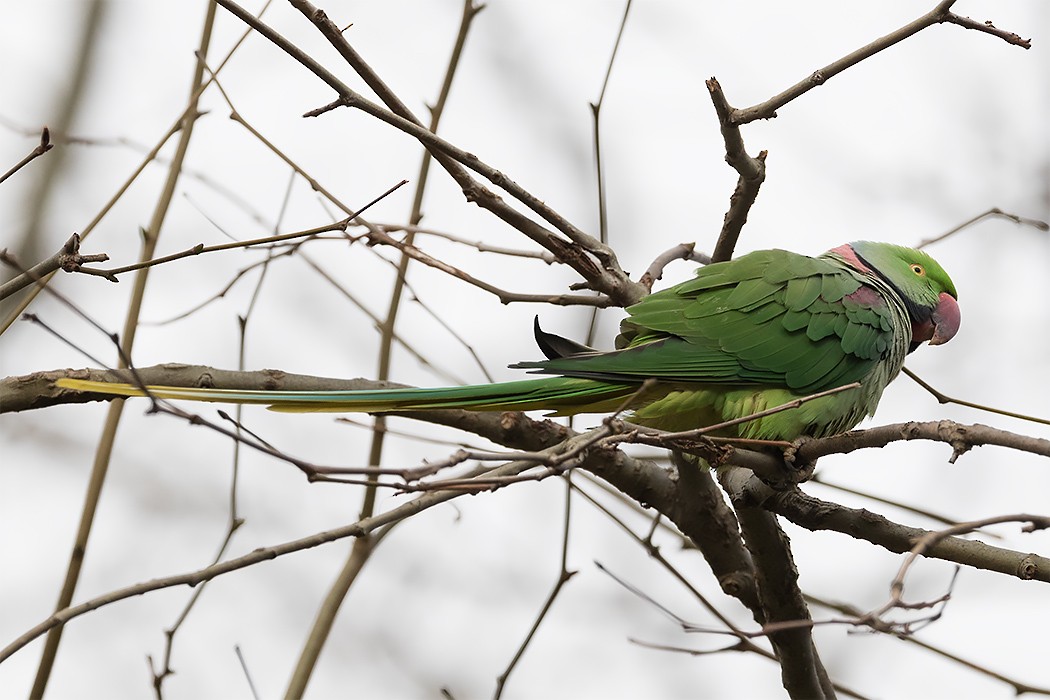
[563, 395]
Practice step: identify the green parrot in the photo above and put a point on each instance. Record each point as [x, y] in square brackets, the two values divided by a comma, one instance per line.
[742, 336]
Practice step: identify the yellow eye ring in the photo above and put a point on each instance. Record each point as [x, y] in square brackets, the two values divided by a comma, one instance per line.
[918, 269]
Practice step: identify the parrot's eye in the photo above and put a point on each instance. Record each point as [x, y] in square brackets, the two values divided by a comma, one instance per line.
[918, 269]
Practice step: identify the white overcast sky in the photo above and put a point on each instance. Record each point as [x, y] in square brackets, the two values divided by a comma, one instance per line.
[900, 148]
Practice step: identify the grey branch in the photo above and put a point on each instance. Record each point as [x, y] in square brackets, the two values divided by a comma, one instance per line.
[68, 258]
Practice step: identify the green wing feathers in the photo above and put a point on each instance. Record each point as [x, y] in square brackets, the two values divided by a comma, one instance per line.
[769, 318]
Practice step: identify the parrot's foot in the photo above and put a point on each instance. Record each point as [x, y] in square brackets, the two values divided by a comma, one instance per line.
[800, 469]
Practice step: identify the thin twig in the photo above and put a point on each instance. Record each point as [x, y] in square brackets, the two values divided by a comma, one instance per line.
[1018, 687]
[41, 148]
[991, 213]
[200, 248]
[944, 398]
[193, 578]
[505, 296]
[929, 540]
[244, 667]
[564, 574]
[596, 110]
[363, 547]
[480, 246]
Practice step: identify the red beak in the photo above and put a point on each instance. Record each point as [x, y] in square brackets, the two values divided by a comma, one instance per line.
[946, 319]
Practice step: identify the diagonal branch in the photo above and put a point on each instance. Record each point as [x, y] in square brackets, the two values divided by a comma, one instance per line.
[938, 15]
[41, 148]
[580, 252]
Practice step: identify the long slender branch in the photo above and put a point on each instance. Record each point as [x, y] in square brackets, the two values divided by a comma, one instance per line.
[944, 398]
[506, 297]
[194, 578]
[363, 547]
[34, 391]
[995, 212]
[398, 109]
[200, 248]
[479, 245]
[107, 439]
[599, 166]
[752, 170]
[564, 575]
[939, 14]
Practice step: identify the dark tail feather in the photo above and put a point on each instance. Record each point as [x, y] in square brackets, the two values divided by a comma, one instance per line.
[555, 347]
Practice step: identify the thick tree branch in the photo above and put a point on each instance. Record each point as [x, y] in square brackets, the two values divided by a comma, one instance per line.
[814, 514]
[700, 510]
[801, 670]
[37, 390]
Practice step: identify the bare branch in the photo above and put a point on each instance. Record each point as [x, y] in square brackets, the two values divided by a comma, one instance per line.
[480, 246]
[752, 173]
[506, 297]
[607, 277]
[988, 28]
[564, 574]
[801, 670]
[682, 251]
[993, 212]
[1018, 687]
[939, 14]
[929, 540]
[188, 115]
[961, 437]
[200, 248]
[43, 147]
[944, 398]
[814, 514]
[68, 258]
[194, 578]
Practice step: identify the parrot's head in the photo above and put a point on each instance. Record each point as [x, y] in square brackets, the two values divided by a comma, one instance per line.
[927, 290]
